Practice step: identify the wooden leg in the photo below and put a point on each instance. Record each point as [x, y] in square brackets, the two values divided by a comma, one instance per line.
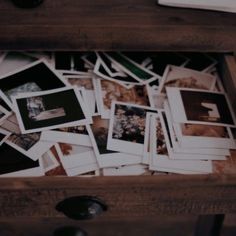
[209, 225]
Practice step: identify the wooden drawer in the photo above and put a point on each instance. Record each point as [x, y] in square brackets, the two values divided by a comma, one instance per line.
[139, 205]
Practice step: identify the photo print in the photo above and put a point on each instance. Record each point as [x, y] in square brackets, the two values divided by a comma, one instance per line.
[77, 135]
[136, 71]
[49, 161]
[161, 152]
[77, 157]
[4, 134]
[35, 77]
[211, 146]
[199, 106]
[46, 110]
[3, 114]
[109, 91]
[15, 164]
[98, 132]
[127, 127]
[185, 78]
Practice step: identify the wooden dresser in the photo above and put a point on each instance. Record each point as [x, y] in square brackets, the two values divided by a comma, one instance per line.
[140, 205]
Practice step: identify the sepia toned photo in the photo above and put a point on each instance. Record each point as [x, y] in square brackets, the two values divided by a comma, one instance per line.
[45, 110]
[85, 82]
[186, 78]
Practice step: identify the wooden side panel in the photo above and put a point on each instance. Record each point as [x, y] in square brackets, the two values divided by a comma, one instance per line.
[131, 197]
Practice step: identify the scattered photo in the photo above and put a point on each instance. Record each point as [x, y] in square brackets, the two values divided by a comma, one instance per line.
[127, 127]
[109, 91]
[49, 161]
[4, 134]
[98, 132]
[27, 79]
[233, 130]
[46, 110]
[3, 114]
[15, 164]
[185, 78]
[197, 106]
[77, 135]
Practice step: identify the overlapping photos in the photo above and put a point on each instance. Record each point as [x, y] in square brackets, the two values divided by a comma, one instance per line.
[112, 113]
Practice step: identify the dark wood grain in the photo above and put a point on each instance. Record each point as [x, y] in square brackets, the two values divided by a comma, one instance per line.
[131, 197]
[114, 25]
[169, 225]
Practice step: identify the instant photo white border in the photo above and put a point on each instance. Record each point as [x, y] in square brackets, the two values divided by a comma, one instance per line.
[35, 152]
[106, 113]
[121, 145]
[84, 121]
[66, 137]
[126, 84]
[76, 160]
[178, 110]
[52, 158]
[24, 68]
[81, 170]
[6, 135]
[185, 155]
[205, 149]
[154, 75]
[185, 72]
[112, 159]
[5, 112]
[162, 161]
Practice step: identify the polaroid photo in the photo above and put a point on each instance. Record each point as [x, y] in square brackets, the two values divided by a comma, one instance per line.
[130, 67]
[160, 149]
[47, 110]
[200, 61]
[49, 161]
[15, 164]
[156, 99]
[85, 82]
[233, 131]
[177, 148]
[127, 127]
[4, 114]
[126, 80]
[90, 174]
[73, 156]
[198, 137]
[109, 91]
[12, 61]
[176, 151]
[128, 170]
[200, 107]
[98, 132]
[79, 170]
[4, 134]
[58, 170]
[180, 77]
[30, 78]
[147, 141]
[76, 135]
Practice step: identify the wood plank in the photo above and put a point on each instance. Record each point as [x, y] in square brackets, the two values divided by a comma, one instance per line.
[134, 197]
[112, 25]
[168, 225]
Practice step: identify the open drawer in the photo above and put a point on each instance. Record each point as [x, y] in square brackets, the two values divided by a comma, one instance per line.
[124, 203]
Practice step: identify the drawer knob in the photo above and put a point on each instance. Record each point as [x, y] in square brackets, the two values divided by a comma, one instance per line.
[27, 3]
[69, 231]
[81, 207]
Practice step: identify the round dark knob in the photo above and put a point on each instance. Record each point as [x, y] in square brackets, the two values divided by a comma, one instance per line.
[27, 3]
[82, 207]
[69, 231]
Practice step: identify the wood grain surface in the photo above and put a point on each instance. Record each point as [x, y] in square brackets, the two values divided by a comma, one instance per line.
[131, 197]
[114, 25]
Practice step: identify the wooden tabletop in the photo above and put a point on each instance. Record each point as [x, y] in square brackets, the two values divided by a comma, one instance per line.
[112, 25]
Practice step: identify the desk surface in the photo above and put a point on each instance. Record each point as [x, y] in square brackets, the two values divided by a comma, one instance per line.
[116, 24]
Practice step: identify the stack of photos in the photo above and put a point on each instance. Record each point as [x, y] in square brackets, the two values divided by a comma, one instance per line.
[93, 114]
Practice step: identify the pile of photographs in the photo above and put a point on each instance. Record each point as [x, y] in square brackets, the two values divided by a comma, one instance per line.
[113, 113]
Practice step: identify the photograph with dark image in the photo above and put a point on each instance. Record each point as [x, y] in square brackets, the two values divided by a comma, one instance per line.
[161, 147]
[81, 129]
[233, 130]
[24, 141]
[206, 107]
[48, 110]
[2, 136]
[129, 123]
[204, 130]
[100, 131]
